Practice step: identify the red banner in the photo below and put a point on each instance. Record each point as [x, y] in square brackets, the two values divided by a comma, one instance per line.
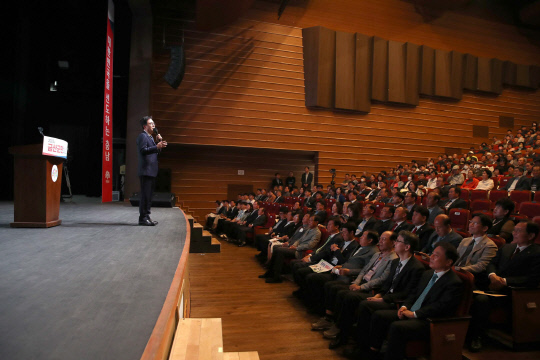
[107, 163]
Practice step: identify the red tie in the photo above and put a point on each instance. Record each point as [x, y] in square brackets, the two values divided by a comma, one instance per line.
[414, 231]
[394, 228]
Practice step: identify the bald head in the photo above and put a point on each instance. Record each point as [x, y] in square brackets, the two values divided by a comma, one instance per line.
[442, 225]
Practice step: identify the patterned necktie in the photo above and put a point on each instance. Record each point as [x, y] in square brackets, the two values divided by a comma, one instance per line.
[462, 261]
[418, 303]
[414, 230]
[398, 269]
[515, 253]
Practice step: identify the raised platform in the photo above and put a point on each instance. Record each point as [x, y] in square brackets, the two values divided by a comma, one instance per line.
[91, 288]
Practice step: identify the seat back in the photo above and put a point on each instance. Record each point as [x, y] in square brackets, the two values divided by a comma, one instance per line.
[478, 195]
[536, 219]
[499, 241]
[503, 181]
[466, 299]
[495, 195]
[378, 207]
[459, 219]
[537, 196]
[529, 209]
[480, 205]
[464, 194]
[495, 182]
[520, 196]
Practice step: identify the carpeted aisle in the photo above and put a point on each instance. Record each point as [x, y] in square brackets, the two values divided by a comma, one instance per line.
[91, 288]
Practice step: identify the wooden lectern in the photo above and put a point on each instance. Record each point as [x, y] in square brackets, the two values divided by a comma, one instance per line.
[38, 180]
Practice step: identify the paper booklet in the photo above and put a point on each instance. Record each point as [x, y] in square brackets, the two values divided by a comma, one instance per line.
[321, 266]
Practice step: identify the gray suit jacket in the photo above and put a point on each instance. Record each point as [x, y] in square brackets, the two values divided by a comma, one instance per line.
[380, 275]
[452, 237]
[358, 259]
[308, 241]
[433, 214]
[480, 256]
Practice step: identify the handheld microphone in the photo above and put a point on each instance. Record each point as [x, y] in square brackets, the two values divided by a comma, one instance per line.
[156, 131]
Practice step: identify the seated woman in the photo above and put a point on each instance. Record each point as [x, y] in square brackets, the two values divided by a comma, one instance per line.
[471, 182]
[486, 183]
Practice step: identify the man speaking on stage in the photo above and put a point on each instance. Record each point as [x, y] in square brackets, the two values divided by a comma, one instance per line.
[148, 167]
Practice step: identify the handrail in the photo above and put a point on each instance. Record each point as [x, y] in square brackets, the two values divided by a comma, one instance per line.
[159, 343]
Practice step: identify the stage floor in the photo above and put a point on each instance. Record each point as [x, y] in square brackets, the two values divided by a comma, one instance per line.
[91, 288]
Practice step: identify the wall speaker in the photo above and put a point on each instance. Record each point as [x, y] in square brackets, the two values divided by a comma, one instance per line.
[177, 67]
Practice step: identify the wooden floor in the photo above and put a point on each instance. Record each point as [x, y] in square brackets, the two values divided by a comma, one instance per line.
[265, 317]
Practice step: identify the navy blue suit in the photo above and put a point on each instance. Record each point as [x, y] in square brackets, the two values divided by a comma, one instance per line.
[147, 171]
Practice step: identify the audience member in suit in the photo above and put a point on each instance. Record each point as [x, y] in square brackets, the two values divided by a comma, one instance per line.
[310, 201]
[345, 273]
[397, 199]
[454, 201]
[405, 272]
[535, 180]
[409, 203]
[443, 232]
[250, 225]
[279, 199]
[384, 196]
[290, 181]
[400, 220]
[516, 264]
[147, 169]
[369, 222]
[502, 224]
[385, 219]
[421, 228]
[276, 181]
[245, 210]
[334, 251]
[320, 211]
[438, 294]
[301, 226]
[220, 210]
[251, 214]
[308, 241]
[276, 230]
[307, 178]
[476, 252]
[518, 182]
[432, 204]
[370, 278]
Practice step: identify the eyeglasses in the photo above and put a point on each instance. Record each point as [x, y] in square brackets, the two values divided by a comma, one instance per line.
[476, 223]
[400, 241]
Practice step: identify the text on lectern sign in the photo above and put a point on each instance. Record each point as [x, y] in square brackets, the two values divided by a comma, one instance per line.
[55, 147]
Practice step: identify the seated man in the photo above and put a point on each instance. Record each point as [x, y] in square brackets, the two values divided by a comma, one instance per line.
[454, 201]
[518, 182]
[346, 273]
[516, 264]
[275, 231]
[400, 220]
[476, 252]
[502, 224]
[371, 277]
[251, 214]
[421, 228]
[432, 204]
[222, 208]
[405, 272]
[409, 203]
[250, 224]
[438, 294]
[320, 211]
[308, 241]
[369, 222]
[228, 226]
[301, 225]
[443, 232]
[385, 219]
[456, 178]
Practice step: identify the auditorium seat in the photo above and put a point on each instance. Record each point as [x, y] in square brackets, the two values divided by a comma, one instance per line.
[480, 205]
[378, 207]
[271, 220]
[537, 196]
[459, 219]
[478, 195]
[464, 194]
[503, 181]
[529, 209]
[495, 182]
[519, 196]
[499, 241]
[495, 195]
[447, 335]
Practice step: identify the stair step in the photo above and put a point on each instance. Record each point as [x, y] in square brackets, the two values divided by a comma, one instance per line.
[198, 339]
[215, 247]
[190, 219]
[248, 355]
[196, 231]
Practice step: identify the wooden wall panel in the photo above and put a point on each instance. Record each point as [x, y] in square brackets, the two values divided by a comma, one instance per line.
[412, 71]
[443, 73]
[363, 75]
[397, 62]
[470, 72]
[379, 89]
[484, 80]
[244, 88]
[345, 70]
[456, 75]
[427, 84]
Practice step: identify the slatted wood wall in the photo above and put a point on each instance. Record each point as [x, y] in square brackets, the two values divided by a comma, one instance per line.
[244, 87]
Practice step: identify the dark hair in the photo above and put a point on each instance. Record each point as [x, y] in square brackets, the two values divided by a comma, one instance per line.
[488, 172]
[263, 209]
[276, 174]
[356, 209]
[456, 189]
[372, 235]
[400, 195]
[532, 227]
[450, 251]
[413, 194]
[484, 219]
[144, 121]
[339, 207]
[506, 204]
[391, 209]
[321, 202]
[371, 206]
[410, 239]
[250, 205]
[350, 226]
[393, 236]
[284, 209]
[337, 221]
[316, 218]
[422, 210]
[435, 195]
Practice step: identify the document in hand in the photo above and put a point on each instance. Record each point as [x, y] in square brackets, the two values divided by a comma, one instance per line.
[321, 266]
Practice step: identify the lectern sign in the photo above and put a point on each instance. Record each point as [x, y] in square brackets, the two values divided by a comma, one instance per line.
[55, 147]
[107, 162]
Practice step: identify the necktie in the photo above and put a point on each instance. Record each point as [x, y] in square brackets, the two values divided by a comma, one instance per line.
[395, 226]
[398, 269]
[414, 230]
[418, 303]
[515, 253]
[462, 261]
[436, 241]
[322, 247]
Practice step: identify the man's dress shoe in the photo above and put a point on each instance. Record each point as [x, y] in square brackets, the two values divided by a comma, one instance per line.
[146, 222]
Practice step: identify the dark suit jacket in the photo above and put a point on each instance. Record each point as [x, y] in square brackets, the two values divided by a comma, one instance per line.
[357, 260]
[324, 251]
[424, 234]
[310, 202]
[278, 227]
[289, 229]
[321, 215]
[276, 182]
[258, 221]
[452, 237]
[441, 300]
[371, 224]
[343, 256]
[522, 270]
[458, 204]
[307, 179]
[148, 152]
[383, 226]
[406, 281]
[436, 211]
[403, 226]
[279, 200]
[524, 183]
[252, 216]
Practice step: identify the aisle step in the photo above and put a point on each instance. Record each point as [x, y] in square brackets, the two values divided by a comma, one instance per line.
[248, 355]
[198, 339]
